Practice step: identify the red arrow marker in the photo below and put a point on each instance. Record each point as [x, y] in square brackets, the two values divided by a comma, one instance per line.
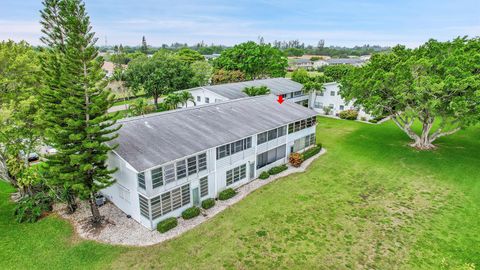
[280, 99]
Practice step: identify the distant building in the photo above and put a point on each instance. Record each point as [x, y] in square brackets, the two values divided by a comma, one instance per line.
[330, 97]
[284, 87]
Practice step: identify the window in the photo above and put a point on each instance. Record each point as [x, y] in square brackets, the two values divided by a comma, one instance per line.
[169, 171]
[342, 107]
[141, 180]
[272, 134]
[181, 169]
[318, 105]
[261, 138]
[157, 177]
[332, 93]
[282, 131]
[320, 93]
[271, 156]
[192, 165]
[156, 205]
[232, 148]
[331, 106]
[204, 186]
[166, 202]
[299, 125]
[303, 142]
[207, 100]
[199, 98]
[143, 206]
[202, 162]
[236, 174]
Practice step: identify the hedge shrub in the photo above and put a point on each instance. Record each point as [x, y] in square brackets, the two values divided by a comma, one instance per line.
[295, 159]
[277, 169]
[312, 151]
[349, 114]
[226, 194]
[191, 212]
[167, 224]
[264, 175]
[208, 203]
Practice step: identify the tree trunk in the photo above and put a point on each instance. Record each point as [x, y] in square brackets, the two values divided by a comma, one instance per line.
[424, 142]
[71, 202]
[155, 101]
[96, 217]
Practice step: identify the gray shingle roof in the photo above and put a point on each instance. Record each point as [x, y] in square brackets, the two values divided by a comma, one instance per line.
[277, 86]
[152, 140]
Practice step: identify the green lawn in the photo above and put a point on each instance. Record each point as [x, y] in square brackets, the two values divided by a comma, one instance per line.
[371, 202]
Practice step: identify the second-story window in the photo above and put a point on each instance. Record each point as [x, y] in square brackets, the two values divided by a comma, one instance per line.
[157, 177]
[141, 180]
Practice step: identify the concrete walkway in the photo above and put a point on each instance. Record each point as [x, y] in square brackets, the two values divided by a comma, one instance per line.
[121, 230]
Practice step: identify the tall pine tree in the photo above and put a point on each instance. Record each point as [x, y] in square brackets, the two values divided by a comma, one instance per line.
[144, 48]
[76, 101]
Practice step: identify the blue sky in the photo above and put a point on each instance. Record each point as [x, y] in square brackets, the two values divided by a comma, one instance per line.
[344, 23]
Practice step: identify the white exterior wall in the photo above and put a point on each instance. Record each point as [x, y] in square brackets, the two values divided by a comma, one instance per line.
[336, 100]
[216, 171]
[203, 94]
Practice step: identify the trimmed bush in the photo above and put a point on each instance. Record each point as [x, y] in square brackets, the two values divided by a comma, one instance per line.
[349, 115]
[226, 194]
[167, 224]
[374, 121]
[264, 175]
[277, 169]
[295, 159]
[363, 118]
[208, 203]
[312, 151]
[191, 212]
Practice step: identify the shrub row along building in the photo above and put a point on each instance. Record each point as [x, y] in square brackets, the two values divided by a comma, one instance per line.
[172, 160]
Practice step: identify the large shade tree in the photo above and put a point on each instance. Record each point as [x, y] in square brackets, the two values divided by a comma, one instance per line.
[437, 84]
[161, 74]
[20, 108]
[256, 61]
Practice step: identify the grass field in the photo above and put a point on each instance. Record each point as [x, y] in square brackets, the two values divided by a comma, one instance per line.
[371, 202]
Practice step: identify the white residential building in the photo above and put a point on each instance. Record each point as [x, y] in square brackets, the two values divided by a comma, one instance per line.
[287, 88]
[330, 97]
[172, 160]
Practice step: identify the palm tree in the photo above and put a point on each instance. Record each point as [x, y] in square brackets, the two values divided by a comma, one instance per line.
[141, 107]
[118, 76]
[185, 97]
[172, 100]
[256, 90]
[311, 88]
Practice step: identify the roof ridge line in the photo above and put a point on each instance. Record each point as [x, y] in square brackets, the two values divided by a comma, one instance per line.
[135, 118]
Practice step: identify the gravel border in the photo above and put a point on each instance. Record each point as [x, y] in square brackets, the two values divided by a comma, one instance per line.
[120, 230]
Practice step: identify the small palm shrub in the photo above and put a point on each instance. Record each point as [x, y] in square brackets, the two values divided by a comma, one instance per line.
[295, 159]
[349, 114]
[264, 175]
[277, 169]
[312, 151]
[208, 203]
[226, 194]
[31, 208]
[191, 212]
[167, 224]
